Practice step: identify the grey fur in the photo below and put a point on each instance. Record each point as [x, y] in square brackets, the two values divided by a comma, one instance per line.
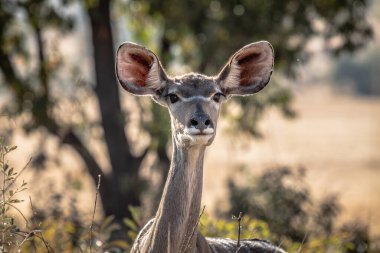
[194, 113]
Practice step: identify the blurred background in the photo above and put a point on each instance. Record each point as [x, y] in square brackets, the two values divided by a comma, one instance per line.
[301, 159]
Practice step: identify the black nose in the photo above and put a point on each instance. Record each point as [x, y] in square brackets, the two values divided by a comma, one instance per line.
[200, 121]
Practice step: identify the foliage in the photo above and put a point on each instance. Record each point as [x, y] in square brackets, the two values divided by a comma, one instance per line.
[273, 199]
[50, 228]
[280, 198]
[67, 232]
[28, 78]
[203, 35]
[134, 224]
[250, 228]
[359, 72]
[49, 95]
[12, 236]
[355, 238]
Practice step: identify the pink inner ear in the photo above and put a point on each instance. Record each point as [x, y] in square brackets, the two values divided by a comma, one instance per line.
[249, 64]
[134, 67]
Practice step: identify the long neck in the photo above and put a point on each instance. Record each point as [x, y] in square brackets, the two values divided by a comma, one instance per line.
[175, 224]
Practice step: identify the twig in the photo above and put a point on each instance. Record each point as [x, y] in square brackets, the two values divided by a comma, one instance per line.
[33, 212]
[27, 236]
[93, 213]
[18, 174]
[47, 246]
[19, 211]
[81, 250]
[194, 228]
[239, 229]
[34, 233]
[302, 243]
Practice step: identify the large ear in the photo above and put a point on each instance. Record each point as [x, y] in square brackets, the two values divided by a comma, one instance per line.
[249, 69]
[138, 70]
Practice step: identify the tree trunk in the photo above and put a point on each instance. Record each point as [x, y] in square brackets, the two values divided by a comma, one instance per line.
[123, 187]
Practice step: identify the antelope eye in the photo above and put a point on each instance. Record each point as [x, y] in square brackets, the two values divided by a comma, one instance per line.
[173, 98]
[217, 97]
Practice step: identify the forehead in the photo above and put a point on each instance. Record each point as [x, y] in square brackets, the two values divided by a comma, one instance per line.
[194, 85]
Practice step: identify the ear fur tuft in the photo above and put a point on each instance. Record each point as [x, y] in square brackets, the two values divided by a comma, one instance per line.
[249, 69]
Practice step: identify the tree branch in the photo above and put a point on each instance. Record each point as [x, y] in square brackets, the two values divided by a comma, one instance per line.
[12, 81]
[43, 75]
[94, 169]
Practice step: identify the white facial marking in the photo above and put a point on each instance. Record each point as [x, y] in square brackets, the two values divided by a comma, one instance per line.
[208, 130]
[193, 130]
[200, 139]
[196, 97]
[206, 99]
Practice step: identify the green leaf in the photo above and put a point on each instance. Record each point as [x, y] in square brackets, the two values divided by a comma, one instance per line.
[12, 148]
[16, 201]
[10, 172]
[118, 244]
[130, 224]
[107, 222]
[134, 212]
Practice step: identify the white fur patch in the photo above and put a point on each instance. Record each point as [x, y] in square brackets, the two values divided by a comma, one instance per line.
[153, 79]
[209, 130]
[206, 99]
[193, 130]
[196, 97]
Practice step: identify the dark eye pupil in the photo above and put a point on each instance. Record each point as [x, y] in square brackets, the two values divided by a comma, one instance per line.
[173, 98]
[216, 97]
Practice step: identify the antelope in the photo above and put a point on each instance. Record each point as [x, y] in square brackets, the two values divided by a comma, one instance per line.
[194, 101]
